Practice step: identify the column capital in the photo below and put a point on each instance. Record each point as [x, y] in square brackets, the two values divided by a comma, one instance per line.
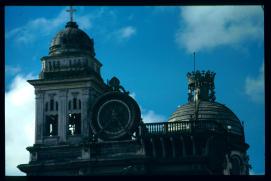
[86, 91]
[63, 93]
[39, 93]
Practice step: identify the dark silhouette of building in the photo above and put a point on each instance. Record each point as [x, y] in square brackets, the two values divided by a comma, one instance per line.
[87, 127]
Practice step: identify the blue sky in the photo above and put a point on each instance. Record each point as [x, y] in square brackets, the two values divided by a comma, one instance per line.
[150, 49]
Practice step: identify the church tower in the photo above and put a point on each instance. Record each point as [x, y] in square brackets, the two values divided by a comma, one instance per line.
[68, 84]
[69, 81]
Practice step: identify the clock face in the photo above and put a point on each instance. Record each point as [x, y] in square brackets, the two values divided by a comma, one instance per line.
[115, 115]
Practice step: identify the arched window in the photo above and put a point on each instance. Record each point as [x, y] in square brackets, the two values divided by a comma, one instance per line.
[70, 105]
[74, 103]
[51, 125]
[51, 105]
[46, 106]
[79, 104]
[74, 124]
[236, 165]
[50, 66]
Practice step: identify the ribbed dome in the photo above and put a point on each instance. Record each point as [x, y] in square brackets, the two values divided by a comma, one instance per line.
[208, 111]
[71, 40]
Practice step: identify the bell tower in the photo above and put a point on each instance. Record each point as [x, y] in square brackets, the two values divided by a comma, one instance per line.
[69, 80]
[68, 84]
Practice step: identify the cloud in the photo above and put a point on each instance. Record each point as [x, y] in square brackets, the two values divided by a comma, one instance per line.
[19, 123]
[149, 116]
[251, 172]
[12, 70]
[208, 27]
[126, 32]
[254, 86]
[34, 29]
[133, 95]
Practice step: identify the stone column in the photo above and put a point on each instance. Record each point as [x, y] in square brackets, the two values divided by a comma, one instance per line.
[62, 121]
[39, 116]
[183, 146]
[162, 141]
[172, 141]
[153, 147]
[193, 145]
[85, 112]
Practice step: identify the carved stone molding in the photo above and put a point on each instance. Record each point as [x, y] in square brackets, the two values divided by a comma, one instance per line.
[63, 93]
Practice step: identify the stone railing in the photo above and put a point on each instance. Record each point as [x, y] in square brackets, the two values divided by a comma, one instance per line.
[182, 127]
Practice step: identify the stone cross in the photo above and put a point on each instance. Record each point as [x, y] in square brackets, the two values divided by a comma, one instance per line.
[71, 11]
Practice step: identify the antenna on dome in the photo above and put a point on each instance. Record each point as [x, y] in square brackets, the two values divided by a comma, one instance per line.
[194, 61]
[71, 11]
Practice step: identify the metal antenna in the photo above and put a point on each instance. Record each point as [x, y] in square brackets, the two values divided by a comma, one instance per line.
[71, 11]
[194, 62]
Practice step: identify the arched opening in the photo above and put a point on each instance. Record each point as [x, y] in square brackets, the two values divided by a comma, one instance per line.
[51, 105]
[46, 106]
[236, 165]
[79, 104]
[74, 126]
[74, 103]
[70, 105]
[51, 125]
[56, 106]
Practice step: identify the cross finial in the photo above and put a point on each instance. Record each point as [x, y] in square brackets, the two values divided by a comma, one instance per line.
[71, 11]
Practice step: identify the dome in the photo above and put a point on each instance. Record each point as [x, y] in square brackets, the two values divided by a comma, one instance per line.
[71, 40]
[209, 111]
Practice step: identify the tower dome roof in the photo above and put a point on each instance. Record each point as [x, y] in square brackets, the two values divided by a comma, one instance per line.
[208, 111]
[71, 40]
[202, 107]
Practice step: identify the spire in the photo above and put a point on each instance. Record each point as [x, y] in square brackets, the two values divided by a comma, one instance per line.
[201, 86]
[71, 11]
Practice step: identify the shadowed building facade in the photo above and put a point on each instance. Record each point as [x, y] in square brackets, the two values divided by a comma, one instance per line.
[84, 126]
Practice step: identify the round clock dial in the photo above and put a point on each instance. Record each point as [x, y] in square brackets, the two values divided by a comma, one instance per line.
[115, 115]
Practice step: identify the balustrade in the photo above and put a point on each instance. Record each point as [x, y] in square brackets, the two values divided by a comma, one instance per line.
[180, 127]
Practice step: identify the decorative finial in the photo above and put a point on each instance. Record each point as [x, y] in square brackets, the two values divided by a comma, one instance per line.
[114, 85]
[201, 86]
[71, 11]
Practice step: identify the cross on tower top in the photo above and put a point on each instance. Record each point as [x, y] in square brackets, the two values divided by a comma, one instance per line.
[71, 11]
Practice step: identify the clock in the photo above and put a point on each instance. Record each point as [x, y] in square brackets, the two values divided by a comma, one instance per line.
[115, 116]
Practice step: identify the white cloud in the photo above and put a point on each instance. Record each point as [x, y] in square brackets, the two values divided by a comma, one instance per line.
[207, 27]
[254, 86]
[34, 29]
[126, 32]
[120, 35]
[251, 172]
[12, 70]
[19, 123]
[150, 116]
[133, 95]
